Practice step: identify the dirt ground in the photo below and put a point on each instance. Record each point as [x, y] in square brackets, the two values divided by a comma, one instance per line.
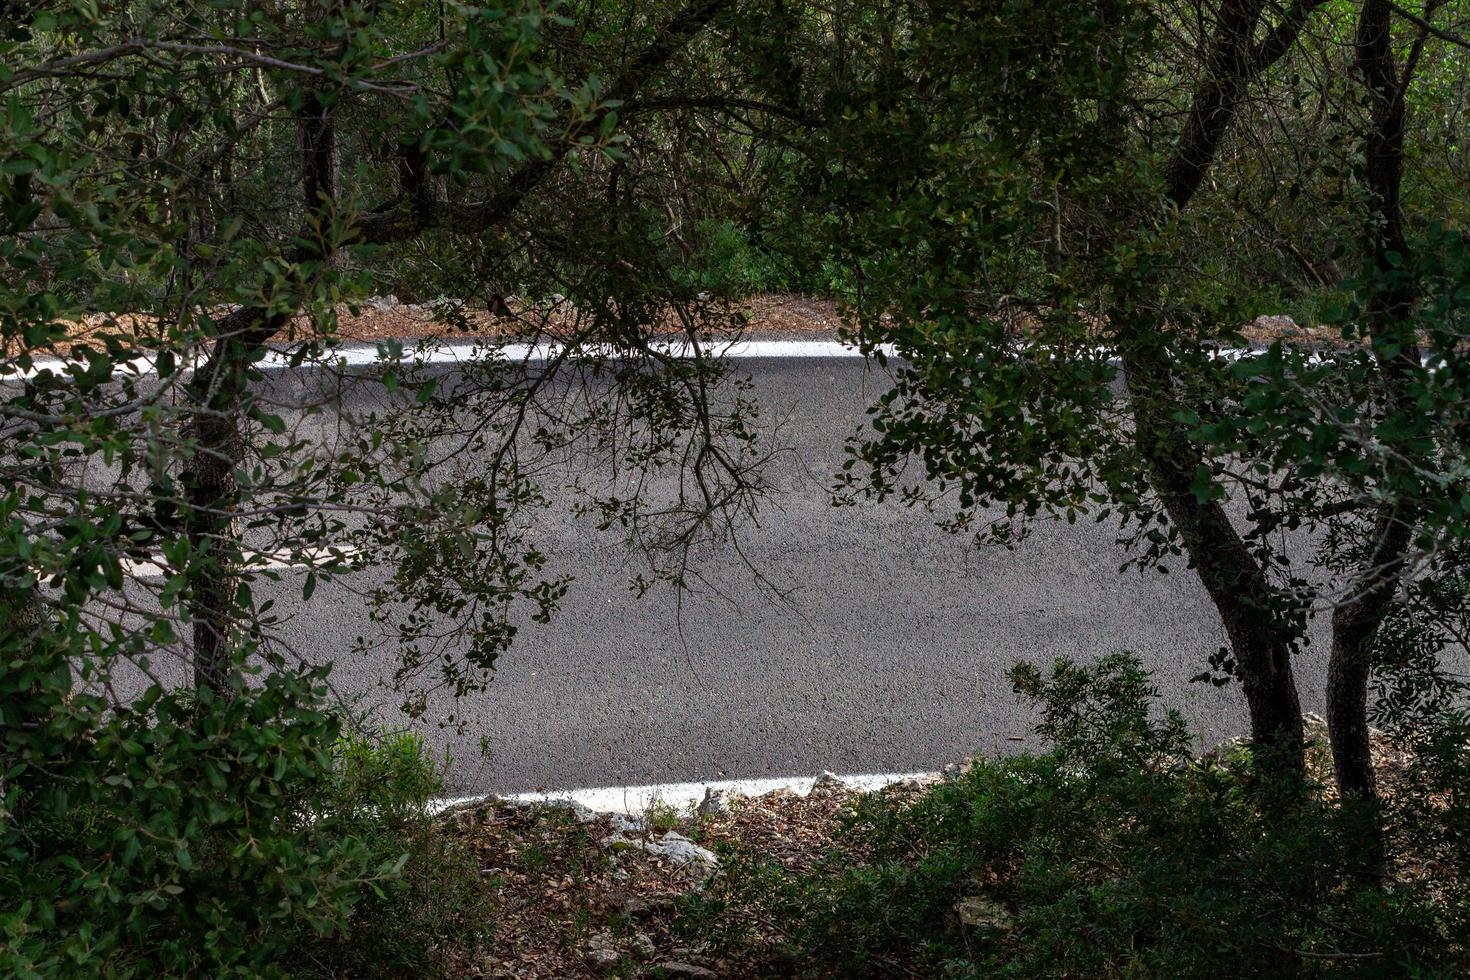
[572, 905]
[578, 897]
[776, 315]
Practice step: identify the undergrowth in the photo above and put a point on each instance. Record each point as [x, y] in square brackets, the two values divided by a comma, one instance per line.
[1116, 853]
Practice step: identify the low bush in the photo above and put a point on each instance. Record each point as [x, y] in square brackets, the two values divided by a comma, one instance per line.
[1116, 853]
[183, 834]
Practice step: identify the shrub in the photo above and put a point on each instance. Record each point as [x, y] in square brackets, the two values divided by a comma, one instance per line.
[184, 834]
[726, 261]
[1114, 854]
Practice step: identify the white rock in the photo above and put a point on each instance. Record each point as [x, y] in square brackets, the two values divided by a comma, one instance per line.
[1267, 321]
[828, 780]
[673, 845]
[600, 958]
[601, 953]
[682, 850]
[624, 823]
[713, 804]
[641, 946]
[579, 813]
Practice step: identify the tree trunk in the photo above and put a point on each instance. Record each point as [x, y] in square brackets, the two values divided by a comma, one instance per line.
[1259, 639]
[219, 390]
[211, 489]
[1355, 623]
[219, 386]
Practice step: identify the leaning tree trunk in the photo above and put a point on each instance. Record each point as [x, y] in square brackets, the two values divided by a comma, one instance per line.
[1260, 638]
[1260, 641]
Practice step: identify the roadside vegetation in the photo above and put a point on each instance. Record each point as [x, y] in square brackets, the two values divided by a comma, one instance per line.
[1119, 853]
[1046, 219]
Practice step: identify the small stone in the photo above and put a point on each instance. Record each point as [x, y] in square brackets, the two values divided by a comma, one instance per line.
[641, 946]
[677, 968]
[579, 813]
[828, 781]
[673, 845]
[682, 850]
[1280, 322]
[714, 803]
[601, 957]
[984, 916]
[624, 823]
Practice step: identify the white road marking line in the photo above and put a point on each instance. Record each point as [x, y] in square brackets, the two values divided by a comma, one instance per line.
[637, 799]
[467, 352]
[459, 352]
[273, 561]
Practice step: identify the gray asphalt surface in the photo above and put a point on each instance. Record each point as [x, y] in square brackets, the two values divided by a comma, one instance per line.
[889, 654]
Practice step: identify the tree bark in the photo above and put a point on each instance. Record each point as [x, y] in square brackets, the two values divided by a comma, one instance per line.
[1355, 623]
[211, 487]
[1237, 585]
[218, 392]
[1235, 581]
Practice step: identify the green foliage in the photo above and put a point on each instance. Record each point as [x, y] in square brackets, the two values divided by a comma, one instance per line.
[182, 834]
[728, 263]
[1422, 700]
[985, 183]
[732, 261]
[379, 793]
[1114, 854]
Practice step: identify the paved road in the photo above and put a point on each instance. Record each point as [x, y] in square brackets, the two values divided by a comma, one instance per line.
[890, 655]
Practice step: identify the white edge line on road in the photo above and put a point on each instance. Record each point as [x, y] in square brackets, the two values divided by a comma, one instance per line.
[681, 796]
[367, 355]
[462, 352]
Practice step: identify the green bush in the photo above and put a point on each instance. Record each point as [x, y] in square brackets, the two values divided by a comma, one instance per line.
[380, 793]
[727, 262]
[1114, 854]
[183, 834]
